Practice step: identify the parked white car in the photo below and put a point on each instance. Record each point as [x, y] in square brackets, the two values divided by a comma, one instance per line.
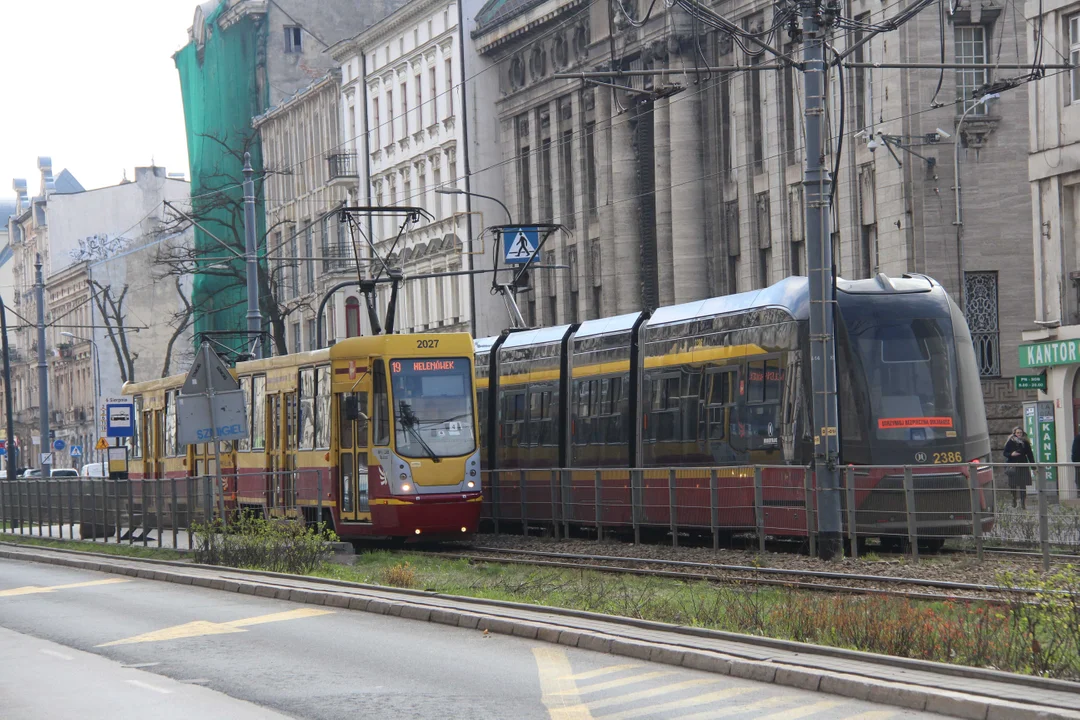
[94, 470]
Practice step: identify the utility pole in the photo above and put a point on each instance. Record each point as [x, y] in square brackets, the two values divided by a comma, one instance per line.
[43, 370]
[9, 412]
[817, 185]
[254, 317]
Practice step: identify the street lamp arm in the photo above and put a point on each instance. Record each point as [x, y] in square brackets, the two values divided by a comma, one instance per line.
[458, 191]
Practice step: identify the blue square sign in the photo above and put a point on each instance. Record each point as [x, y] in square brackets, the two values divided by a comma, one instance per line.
[119, 420]
[519, 244]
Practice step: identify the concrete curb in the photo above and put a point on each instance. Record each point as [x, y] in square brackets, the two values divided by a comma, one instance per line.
[903, 695]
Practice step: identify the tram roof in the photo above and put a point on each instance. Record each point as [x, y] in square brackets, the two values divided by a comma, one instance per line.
[483, 345]
[791, 294]
[538, 336]
[604, 326]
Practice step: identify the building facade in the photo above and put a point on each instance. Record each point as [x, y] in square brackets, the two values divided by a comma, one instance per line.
[415, 102]
[308, 243]
[687, 185]
[110, 316]
[244, 57]
[1053, 331]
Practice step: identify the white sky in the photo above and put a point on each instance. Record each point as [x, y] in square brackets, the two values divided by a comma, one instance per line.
[93, 86]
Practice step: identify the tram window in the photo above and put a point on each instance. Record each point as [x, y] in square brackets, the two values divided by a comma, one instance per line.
[513, 418]
[136, 438]
[720, 401]
[292, 429]
[381, 408]
[774, 380]
[258, 413]
[170, 423]
[345, 427]
[755, 392]
[361, 423]
[322, 407]
[244, 445]
[307, 408]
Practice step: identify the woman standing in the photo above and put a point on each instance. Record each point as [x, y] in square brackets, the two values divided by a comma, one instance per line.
[1018, 454]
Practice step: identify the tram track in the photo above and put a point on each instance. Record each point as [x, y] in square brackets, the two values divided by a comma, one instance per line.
[811, 580]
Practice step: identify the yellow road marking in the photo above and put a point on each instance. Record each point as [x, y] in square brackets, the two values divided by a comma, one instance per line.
[199, 628]
[651, 692]
[680, 704]
[597, 687]
[558, 691]
[602, 671]
[803, 711]
[34, 589]
[736, 709]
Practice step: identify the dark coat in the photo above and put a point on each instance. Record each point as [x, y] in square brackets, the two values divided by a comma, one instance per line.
[1022, 476]
[1076, 449]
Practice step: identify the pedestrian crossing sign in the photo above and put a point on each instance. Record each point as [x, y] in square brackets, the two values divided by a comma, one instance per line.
[519, 244]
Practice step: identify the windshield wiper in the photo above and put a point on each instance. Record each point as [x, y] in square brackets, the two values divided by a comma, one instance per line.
[410, 421]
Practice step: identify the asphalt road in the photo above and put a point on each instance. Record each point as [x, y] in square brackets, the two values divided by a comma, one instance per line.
[79, 644]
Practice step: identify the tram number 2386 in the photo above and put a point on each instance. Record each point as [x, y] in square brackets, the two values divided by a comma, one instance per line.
[427, 344]
[947, 457]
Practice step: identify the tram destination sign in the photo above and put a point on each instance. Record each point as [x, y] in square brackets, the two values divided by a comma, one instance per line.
[1030, 382]
[1055, 352]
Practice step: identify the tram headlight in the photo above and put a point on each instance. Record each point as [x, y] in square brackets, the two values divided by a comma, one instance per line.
[471, 484]
[405, 487]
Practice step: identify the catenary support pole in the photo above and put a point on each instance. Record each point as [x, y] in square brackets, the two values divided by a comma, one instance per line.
[817, 190]
[9, 412]
[43, 371]
[254, 317]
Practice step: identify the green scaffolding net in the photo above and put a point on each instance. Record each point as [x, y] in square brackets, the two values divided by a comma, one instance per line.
[219, 85]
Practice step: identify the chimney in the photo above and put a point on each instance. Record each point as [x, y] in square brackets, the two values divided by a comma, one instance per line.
[19, 186]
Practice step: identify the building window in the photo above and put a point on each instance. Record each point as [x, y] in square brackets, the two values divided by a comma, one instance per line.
[434, 95]
[1074, 58]
[971, 50]
[861, 80]
[524, 170]
[981, 303]
[869, 250]
[374, 123]
[352, 317]
[789, 108]
[404, 110]
[390, 114]
[296, 337]
[449, 88]
[546, 196]
[308, 263]
[419, 102]
[590, 166]
[566, 178]
[294, 39]
[757, 119]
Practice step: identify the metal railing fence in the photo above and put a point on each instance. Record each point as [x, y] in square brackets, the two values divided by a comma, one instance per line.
[163, 512]
[906, 509]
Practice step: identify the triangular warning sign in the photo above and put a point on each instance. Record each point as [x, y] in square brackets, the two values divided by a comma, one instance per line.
[521, 248]
[208, 370]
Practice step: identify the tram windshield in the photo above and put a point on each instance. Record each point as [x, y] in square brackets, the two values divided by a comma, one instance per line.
[433, 407]
[910, 368]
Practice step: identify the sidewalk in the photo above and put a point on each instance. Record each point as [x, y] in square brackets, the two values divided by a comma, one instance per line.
[933, 687]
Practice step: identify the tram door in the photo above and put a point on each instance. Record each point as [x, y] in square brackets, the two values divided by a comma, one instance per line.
[291, 427]
[158, 468]
[273, 452]
[352, 457]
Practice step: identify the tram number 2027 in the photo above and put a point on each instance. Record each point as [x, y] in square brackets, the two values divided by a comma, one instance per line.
[948, 457]
[427, 344]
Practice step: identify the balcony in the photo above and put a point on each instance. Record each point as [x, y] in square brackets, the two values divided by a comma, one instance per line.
[344, 169]
[338, 257]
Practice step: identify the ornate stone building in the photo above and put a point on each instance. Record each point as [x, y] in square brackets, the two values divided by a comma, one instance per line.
[687, 185]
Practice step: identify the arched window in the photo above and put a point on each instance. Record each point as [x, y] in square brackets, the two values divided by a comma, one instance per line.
[352, 317]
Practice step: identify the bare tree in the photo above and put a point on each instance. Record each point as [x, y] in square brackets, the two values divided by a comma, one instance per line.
[220, 214]
[180, 322]
[111, 307]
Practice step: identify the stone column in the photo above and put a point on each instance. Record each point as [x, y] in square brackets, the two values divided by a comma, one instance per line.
[606, 210]
[662, 180]
[627, 245]
[687, 196]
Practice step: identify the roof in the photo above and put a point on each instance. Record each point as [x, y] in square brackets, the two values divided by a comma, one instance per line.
[65, 183]
[495, 12]
[483, 345]
[603, 326]
[791, 294]
[539, 336]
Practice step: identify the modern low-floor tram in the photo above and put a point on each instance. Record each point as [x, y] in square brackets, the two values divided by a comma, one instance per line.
[677, 407]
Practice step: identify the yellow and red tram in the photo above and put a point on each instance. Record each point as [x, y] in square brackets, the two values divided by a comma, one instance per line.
[379, 432]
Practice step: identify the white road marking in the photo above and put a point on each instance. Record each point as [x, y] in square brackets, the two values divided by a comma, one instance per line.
[148, 686]
[53, 653]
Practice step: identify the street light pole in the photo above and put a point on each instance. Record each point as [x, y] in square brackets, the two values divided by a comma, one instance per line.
[254, 315]
[9, 412]
[43, 372]
[97, 381]
[959, 222]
